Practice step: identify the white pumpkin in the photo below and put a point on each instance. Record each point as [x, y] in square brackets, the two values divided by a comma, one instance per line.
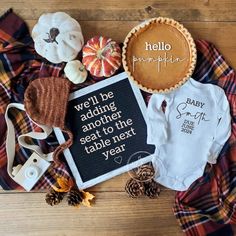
[75, 72]
[57, 37]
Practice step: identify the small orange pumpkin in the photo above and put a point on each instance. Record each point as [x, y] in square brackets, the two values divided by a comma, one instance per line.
[101, 56]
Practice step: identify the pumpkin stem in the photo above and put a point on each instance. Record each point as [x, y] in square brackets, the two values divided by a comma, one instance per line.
[99, 53]
[53, 33]
[102, 51]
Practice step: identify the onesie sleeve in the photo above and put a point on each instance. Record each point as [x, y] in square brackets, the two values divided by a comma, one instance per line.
[223, 128]
[156, 120]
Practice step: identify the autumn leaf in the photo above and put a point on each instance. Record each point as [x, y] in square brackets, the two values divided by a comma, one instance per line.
[87, 198]
[65, 184]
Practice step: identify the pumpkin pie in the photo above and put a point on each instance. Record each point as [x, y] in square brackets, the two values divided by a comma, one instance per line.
[159, 55]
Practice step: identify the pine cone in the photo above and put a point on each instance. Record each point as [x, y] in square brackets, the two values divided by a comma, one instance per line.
[53, 198]
[145, 173]
[152, 189]
[134, 188]
[75, 197]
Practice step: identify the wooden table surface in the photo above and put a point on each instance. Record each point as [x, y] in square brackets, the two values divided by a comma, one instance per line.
[114, 213]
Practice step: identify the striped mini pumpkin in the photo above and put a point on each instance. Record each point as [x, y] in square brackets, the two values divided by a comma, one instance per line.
[101, 56]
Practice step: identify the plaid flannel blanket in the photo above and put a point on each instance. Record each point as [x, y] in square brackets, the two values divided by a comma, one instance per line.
[210, 201]
[19, 64]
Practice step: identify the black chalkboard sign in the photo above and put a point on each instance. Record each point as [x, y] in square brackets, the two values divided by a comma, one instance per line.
[107, 120]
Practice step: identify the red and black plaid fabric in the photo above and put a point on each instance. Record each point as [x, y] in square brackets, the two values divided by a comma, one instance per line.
[209, 204]
[19, 64]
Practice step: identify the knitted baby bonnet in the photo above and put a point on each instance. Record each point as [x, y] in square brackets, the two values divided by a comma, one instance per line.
[45, 101]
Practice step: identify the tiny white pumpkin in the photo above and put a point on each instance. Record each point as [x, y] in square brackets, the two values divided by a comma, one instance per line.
[75, 72]
[57, 37]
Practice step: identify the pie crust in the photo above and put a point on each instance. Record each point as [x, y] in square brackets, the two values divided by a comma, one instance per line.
[159, 55]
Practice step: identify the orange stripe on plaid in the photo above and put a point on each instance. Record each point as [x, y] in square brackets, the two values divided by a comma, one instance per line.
[5, 85]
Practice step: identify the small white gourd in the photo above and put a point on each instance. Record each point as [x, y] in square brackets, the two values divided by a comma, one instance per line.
[75, 72]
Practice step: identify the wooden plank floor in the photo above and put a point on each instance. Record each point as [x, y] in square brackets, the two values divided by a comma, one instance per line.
[114, 213]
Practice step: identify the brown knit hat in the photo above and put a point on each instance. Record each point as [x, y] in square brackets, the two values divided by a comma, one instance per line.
[45, 102]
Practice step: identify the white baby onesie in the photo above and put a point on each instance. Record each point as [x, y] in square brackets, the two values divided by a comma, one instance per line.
[189, 132]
